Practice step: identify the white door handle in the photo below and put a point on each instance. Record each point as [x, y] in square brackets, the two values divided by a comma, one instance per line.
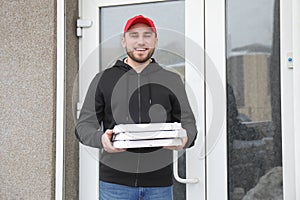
[175, 171]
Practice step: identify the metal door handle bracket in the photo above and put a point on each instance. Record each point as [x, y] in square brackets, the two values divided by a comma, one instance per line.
[175, 172]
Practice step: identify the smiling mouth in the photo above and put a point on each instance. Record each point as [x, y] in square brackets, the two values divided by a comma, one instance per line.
[140, 49]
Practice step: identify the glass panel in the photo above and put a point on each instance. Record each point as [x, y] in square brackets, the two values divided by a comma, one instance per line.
[253, 100]
[169, 18]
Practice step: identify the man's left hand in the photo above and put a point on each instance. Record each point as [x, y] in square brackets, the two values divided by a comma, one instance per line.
[180, 147]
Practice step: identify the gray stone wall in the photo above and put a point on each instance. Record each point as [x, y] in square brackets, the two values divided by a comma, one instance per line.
[27, 99]
[28, 96]
[71, 147]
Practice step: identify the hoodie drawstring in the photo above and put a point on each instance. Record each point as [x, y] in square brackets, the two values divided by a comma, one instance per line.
[150, 91]
[127, 97]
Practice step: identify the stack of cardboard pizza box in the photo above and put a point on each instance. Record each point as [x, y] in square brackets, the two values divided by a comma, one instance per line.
[148, 135]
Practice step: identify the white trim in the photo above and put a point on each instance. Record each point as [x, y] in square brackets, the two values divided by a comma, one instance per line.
[194, 33]
[287, 109]
[216, 141]
[60, 102]
[88, 44]
[105, 3]
[296, 53]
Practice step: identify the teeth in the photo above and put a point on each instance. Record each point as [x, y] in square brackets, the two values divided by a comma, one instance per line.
[140, 49]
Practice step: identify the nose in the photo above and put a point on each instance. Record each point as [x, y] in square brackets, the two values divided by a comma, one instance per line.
[141, 40]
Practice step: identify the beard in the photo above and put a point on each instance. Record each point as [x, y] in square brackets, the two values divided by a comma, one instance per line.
[140, 59]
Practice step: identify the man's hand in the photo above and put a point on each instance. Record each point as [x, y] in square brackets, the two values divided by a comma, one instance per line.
[184, 141]
[106, 142]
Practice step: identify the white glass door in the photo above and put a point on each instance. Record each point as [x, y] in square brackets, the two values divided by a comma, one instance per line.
[249, 43]
[180, 27]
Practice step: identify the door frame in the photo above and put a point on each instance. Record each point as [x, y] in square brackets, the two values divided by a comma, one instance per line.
[216, 140]
[287, 102]
[194, 34]
[296, 52]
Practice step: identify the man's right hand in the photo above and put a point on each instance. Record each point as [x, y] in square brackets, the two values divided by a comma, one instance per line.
[107, 144]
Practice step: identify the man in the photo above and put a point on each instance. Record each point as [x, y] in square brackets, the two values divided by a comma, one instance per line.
[135, 90]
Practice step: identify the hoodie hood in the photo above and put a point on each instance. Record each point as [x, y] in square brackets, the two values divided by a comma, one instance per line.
[151, 68]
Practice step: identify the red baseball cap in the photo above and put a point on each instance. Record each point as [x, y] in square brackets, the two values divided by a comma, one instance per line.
[139, 19]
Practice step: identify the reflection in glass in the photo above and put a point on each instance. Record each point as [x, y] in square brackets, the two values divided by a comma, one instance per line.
[169, 18]
[253, 100]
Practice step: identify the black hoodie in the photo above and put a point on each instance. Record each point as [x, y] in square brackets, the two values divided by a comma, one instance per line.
[119, 95]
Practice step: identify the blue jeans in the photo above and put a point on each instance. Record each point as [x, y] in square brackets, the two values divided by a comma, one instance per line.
[110, 191]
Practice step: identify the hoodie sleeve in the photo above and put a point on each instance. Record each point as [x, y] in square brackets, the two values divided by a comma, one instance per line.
[88, 130]
[182, 112]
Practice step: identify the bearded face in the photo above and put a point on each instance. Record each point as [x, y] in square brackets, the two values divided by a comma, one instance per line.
[140, 42]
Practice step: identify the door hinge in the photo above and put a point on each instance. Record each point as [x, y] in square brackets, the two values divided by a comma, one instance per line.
[82, 23]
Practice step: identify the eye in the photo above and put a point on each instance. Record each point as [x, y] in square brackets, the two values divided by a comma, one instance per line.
[133, 35]
[147, 35]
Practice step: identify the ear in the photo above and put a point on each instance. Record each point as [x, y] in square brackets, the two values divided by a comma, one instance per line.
[156, 42]
[123, 41]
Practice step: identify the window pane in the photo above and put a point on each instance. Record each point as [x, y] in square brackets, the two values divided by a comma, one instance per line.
[253, 99]
[169, 18]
